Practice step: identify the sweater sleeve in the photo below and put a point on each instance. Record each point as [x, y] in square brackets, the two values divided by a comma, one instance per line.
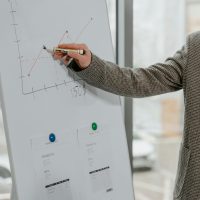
[138, 82]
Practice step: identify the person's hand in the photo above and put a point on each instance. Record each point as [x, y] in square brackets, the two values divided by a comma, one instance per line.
[82, 60]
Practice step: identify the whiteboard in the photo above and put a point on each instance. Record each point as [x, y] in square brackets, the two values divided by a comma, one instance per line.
[66, 139]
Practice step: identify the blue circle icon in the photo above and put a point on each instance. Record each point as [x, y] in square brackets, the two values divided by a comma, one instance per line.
[52, 137]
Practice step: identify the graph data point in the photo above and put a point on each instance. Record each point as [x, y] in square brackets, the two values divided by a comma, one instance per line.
[52, 137]
[94, 126]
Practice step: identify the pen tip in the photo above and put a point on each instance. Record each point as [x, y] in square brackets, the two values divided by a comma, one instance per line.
[44, 47]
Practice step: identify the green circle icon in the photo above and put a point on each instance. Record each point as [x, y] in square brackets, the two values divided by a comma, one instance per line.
[94, 126]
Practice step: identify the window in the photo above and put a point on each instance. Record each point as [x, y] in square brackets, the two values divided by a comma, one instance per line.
[159, 31]
[193, 15]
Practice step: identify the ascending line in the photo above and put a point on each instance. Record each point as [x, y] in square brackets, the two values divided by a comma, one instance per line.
[35, 62]
[32, 67]
[63, 36]
[66, 33]
[84, 28]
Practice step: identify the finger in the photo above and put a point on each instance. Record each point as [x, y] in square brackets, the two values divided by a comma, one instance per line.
[63, 60]
[66, 58]
[57, 57]
[76, 56]
[56, 53]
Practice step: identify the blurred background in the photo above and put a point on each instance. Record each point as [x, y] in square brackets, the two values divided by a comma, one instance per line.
[160, 28]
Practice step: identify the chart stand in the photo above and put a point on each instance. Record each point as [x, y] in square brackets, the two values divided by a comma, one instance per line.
[13, 194]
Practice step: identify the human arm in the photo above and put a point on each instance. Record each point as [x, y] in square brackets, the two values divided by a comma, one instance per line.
[139, 82]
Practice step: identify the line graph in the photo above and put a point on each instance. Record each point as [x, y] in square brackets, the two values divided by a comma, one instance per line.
[35, 61]
[83, 29]
[31, 68]
[66, 34]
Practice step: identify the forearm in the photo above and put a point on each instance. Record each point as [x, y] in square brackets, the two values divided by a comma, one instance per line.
[139, 82]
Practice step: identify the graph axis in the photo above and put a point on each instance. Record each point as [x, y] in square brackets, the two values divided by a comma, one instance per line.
[20, 57]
